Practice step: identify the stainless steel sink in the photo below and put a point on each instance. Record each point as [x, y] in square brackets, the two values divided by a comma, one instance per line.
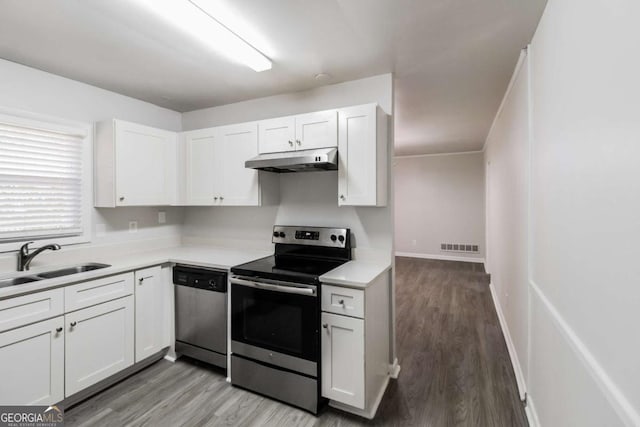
[18, 281]
[72, 270]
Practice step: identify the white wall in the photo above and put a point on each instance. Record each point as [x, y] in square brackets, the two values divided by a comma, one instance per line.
[35, 91]
[583, 215]
[439, 199]
[306, 198]
[507, 226]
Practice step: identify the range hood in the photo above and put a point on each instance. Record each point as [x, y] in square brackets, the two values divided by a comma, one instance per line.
[296, 161]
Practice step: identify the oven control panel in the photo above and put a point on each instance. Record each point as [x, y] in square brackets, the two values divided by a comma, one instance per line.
[312, 236]
[307, 235]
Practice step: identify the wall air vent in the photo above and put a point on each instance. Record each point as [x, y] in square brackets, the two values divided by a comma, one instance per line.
[459, 247]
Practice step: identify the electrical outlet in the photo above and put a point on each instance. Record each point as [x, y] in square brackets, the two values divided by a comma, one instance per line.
[414, 242]
[162, 217]
[133, 226]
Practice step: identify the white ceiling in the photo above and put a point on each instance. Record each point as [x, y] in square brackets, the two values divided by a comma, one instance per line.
[452, 59]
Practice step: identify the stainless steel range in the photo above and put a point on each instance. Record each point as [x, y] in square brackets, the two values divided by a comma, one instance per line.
[275, 314]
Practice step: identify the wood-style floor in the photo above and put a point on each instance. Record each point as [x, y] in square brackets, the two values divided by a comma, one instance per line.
[455, 370]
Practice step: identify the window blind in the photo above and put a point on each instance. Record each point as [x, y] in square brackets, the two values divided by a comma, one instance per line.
[40, 182]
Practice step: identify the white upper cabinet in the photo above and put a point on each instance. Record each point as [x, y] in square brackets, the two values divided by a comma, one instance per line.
[301, 132]
[203, 156]
[317, 130]
[362, 158]
[214, 171]
[277, 135]
[135, 165]
[240, 186]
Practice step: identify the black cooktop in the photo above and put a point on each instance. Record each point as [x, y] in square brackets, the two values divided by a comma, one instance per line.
[289, 269]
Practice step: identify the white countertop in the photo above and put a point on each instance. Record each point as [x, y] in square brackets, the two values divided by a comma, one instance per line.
[204, 256]
[356, 273]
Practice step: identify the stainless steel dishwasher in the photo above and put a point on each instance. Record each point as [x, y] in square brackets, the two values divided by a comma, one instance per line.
[201, 313]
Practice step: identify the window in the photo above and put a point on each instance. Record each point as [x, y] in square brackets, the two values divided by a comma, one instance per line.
[43, 181]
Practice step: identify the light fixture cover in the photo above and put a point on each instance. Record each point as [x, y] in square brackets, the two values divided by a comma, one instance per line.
[191, 19]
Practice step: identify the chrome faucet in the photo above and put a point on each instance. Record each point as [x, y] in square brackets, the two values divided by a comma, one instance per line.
[25, 258]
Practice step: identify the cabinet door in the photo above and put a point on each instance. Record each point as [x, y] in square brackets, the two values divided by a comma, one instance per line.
[317, 130]
[32, 364]
[201, 175]
[277, 135]
[98, 343]
[343, 359]
[357, 159]
[149, 312]
[240, 185]
[145, 165]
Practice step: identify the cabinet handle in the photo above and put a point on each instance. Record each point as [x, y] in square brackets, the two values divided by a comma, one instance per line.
[325, 325]
[58, 330]
[290, 143]
[299, 142]
[341, 302]
[342, 197]
[73, 324]
[141, 280]
[121, 198]
[221, 198]
[215, 198]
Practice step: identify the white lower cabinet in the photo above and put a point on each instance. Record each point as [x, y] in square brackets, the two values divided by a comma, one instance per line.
[96, 329]
[343, 359]
[149, 294]
[32, 364]
[355, 345]
[99, 342]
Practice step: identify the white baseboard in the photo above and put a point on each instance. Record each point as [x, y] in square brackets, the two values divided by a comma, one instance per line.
[440, 257]
[394, 370]
[621, 404]
[515, 362]
[532, 415]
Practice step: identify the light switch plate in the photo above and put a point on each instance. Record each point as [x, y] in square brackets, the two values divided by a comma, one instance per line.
[133, 226]
[162, 217]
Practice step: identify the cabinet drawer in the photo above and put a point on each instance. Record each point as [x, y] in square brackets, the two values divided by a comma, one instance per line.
[20, 311]
[97, 291]
[347, 301]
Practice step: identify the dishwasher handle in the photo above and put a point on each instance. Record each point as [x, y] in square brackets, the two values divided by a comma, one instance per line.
[299, 289]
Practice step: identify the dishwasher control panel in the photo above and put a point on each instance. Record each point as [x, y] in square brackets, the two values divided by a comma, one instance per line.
[201, 278]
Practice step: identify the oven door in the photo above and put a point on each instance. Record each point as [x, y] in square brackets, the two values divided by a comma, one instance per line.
[276, 323]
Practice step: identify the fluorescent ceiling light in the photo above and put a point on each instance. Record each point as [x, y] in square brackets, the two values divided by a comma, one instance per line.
[193, 20]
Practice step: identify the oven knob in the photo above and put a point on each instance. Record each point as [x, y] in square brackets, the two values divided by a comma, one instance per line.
[212, 284]
[333, 237]
[282, 235]
[341, 238]
[276, 234]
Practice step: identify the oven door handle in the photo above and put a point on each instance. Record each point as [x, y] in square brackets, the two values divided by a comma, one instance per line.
[298, 289]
